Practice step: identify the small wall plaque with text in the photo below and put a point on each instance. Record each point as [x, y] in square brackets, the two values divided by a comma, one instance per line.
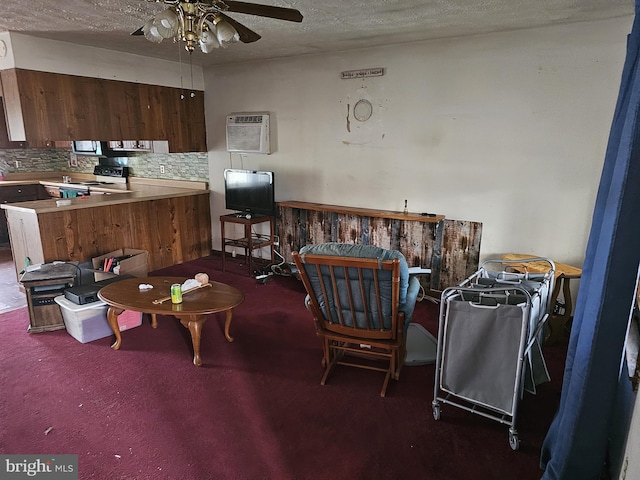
[365, 72]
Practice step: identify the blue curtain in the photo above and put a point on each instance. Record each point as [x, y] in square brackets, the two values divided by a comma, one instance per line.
[576, 445]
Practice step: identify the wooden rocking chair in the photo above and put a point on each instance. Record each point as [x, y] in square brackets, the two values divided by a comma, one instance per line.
[356, 305]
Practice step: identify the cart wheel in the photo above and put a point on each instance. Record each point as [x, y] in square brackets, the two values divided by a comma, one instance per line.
[436, 411]
[514, 441]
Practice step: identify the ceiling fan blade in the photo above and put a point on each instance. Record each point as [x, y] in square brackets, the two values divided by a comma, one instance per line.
[138, 32]
[246, 34]
[280, 13]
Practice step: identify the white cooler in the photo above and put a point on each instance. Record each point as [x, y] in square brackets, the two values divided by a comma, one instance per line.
[88, 322]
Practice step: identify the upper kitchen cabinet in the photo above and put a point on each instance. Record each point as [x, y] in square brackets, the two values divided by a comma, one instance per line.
[42, 107]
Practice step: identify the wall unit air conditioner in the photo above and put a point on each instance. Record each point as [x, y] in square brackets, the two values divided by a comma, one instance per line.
[248, 132]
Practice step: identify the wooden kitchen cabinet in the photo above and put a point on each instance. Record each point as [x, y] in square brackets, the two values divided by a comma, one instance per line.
[42, 108]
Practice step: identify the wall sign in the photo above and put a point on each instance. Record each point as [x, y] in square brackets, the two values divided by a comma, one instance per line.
[365, 72]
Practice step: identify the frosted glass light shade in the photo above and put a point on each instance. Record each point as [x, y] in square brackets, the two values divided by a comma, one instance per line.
[208, 41]
[150, 31]
[226, 33]
[166, 23]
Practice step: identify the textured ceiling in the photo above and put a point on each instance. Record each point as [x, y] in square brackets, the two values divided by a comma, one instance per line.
[328, 25]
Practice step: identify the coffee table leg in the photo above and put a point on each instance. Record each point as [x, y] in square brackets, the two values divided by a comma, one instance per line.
[194, 324]
[227, 325]
[112, 318]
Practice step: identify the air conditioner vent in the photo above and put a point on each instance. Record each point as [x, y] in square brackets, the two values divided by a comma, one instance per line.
[249, 119]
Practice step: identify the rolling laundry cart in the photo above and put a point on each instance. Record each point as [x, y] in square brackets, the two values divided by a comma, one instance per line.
[490, 331]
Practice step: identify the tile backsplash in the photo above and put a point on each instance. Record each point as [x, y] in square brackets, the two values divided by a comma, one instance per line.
[177, 166]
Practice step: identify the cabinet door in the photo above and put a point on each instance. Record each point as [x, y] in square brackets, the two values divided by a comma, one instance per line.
[18, 193]
[4, 230]
[4, 131]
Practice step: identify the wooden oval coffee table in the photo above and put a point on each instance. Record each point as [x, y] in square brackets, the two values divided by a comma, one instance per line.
[192, 312]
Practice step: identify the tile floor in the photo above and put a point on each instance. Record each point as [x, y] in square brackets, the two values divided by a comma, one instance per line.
[11, 296]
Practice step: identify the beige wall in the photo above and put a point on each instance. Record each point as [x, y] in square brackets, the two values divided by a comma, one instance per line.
[508, 129]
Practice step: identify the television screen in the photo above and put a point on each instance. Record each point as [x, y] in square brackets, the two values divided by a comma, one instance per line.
[249, 191]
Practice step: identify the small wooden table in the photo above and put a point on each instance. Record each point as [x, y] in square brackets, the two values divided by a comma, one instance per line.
[249, 241]
[564, 274]
[192, 312]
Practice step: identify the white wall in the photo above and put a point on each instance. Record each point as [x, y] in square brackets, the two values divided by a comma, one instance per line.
[508, 129]
[32, 53]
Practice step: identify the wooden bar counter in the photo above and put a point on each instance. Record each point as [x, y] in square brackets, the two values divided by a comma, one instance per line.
[172, 221]
[450, 248]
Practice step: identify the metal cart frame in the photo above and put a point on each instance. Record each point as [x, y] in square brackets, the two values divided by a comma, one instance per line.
[490, 331]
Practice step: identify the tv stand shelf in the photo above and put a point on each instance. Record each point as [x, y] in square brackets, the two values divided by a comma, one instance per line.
[250, 241]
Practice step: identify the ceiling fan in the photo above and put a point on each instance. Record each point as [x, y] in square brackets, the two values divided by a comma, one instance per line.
[205, 23]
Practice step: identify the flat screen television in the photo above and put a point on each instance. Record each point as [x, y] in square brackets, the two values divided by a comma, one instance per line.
[249, 191]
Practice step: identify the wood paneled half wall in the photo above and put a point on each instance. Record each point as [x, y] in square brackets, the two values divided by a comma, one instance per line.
[450, 248]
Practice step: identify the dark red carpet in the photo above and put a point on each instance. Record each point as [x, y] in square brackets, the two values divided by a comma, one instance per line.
[254, 410]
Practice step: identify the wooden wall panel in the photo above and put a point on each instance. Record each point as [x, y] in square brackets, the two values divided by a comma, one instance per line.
[381, 232]
[461, 250]
[449, 247]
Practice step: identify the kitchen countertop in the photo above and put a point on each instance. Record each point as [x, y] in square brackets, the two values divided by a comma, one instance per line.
[137, 189]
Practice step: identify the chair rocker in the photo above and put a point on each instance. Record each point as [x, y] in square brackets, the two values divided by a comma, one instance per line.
[355, 302]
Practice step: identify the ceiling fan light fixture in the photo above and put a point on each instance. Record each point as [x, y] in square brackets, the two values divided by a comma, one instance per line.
[167, 23]
[150, 31]
[205, 23]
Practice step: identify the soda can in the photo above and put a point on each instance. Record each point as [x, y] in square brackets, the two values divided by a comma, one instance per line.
[176, 293]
